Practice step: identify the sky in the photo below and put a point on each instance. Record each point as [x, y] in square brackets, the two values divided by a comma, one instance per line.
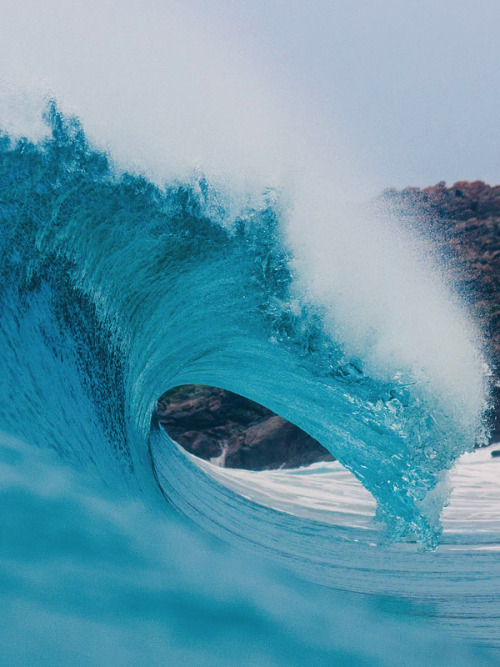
[396, 92]
[413, 87]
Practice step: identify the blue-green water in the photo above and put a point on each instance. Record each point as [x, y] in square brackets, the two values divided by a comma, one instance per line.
[113, 290]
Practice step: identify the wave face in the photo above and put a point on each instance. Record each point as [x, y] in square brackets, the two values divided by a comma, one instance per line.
[115, 290]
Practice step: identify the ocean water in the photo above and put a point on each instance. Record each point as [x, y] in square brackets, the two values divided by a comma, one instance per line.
[119, 548]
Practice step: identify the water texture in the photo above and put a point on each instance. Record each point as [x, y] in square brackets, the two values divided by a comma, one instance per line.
[118, 549]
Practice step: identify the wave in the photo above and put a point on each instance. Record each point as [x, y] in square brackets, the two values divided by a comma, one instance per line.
[115, 289]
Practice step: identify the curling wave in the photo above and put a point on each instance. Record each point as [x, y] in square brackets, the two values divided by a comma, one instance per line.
[115, 290]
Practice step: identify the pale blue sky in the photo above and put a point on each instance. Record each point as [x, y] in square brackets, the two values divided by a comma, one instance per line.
[414, 86]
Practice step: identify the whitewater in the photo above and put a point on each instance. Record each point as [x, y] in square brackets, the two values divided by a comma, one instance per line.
[142, 249]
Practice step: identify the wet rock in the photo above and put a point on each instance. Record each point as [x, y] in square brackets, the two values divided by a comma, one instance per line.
[233, 431]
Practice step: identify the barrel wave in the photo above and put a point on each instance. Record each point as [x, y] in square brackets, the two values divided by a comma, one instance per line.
[114, 290]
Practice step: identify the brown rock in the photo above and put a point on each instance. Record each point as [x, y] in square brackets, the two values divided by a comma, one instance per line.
[216, 424]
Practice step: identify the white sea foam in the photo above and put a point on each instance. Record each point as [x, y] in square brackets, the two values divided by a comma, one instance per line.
[328, 493]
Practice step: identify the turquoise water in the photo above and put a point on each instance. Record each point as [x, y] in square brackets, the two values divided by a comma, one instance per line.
[114, 290]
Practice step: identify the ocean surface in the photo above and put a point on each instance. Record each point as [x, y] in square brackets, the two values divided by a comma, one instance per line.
[119, 548]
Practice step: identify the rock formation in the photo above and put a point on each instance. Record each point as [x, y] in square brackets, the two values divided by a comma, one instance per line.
[233, 431]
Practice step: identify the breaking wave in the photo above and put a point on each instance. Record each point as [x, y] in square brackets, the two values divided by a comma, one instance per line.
[115, 289]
